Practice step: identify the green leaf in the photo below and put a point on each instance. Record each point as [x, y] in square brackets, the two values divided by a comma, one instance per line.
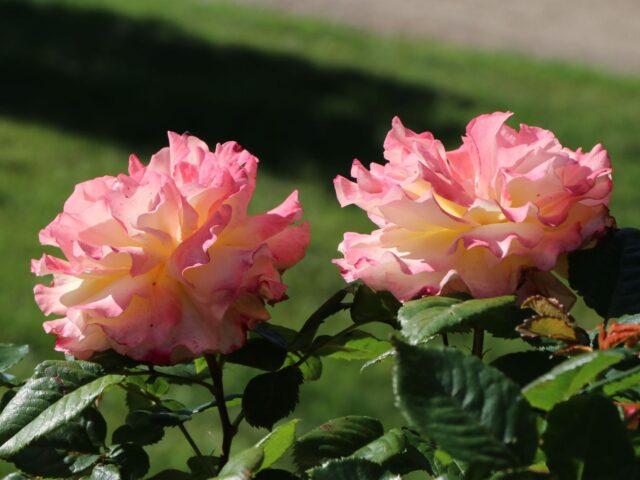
[65, 450]
[307, 333]
[58, 413]
[311, 368]
[423, 319]
[270, 397]
[337, 438]
[259, 353]
[49, 382]
[11, 355]
[382, 449]
[243, 465]
[276, 334]
[132, 460]
[354, 345]
[105, 472]
[275, 474]
[379, 359]
[204, 466]
[171, 474]
[524, 367]
[607, 276]
[585, 439]
[276, 444]
[369, 306]
[348, 469]
[15, 476]
[570, 377]
[469, 409]
[618, 382]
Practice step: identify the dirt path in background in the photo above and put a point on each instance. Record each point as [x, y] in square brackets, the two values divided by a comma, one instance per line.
[599, 32]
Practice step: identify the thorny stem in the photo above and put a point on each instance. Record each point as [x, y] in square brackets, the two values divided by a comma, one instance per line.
[228, 429]
[445, 339]
[478, 341]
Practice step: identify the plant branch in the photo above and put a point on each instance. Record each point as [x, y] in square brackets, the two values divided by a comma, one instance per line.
[478, 341]
[318, 346]
[215, 368]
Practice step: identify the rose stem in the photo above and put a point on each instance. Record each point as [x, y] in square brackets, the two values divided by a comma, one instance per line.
[445, 339]
[215, 369]
[478, 340]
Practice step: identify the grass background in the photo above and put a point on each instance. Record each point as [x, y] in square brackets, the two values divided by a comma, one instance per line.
[84, 83]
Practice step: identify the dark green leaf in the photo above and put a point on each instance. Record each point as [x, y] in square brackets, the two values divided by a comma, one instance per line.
[132, 460]
[259, 353]
[270, 397]
[276, 334]
[585, 439]
[15, 476]
[111, 361]
[11, 354]
[520, 474]
[243, 465]
[608, 275]
[333, 305]
[470, 409]
[276, 444]
[337, 438]
[348, 469]
[568, 378]
[369, 306]
[105, 472]
[524, 367]
[171, 474]
[619, 381]
[57, 414]
[275, 474]
[66, 450]
[311, 368]
[49, 382]
[423, 319]
[382, 449]
[203, 467]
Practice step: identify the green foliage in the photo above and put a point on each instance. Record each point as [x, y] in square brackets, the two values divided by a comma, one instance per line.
[349, 469]
[353, 345]
[369, 306]
[276, 444]
[568, 378]
[423, 319]
[243, 465]
[524, 367]
[10, 355]
[585, 439]
[271, 396]
[607, 275]
[336, 438]
[471, 410]
[259, 353]
[384, 448]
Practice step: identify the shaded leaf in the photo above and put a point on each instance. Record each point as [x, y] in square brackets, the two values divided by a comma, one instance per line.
[424, 318]
[259, 353]
[171, 474]
[348, 469]
[524, 367]
[585, 439]
[58, 413]
[608, 275]
[337, 438]
[276, 334]
[276, 444]
[469, 409]
[269, 397]
[568, 378]
[307, 333]
[275, 474]
[50, 381]
[204, 466]
[11, 355]
[132, 460]
[369, 306]
[618, 382]
[311, 368]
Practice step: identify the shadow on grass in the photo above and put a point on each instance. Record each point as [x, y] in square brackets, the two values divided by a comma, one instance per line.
[127, 80]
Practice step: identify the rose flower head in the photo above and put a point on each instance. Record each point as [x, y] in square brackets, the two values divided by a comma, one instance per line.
[476, 219]
[165, 264]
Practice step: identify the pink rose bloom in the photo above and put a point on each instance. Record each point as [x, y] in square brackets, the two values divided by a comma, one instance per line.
[476, 219]
[165, 264]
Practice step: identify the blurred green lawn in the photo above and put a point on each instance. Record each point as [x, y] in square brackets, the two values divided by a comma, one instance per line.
[86, 82]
